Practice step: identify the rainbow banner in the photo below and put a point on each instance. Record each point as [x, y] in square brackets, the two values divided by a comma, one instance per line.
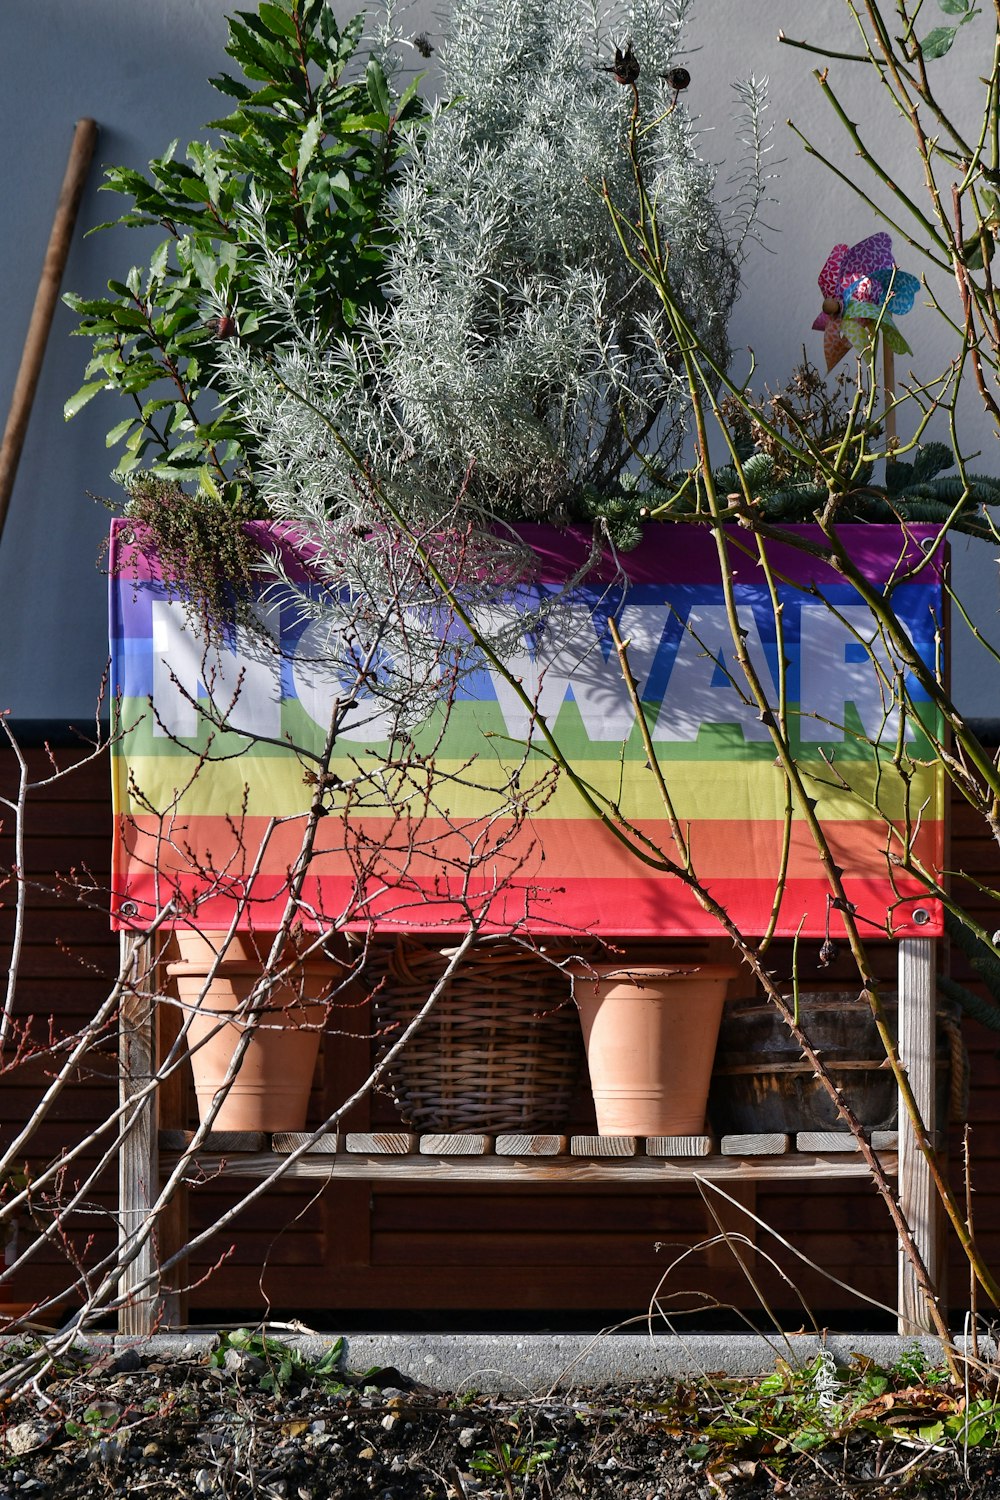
[214, 772]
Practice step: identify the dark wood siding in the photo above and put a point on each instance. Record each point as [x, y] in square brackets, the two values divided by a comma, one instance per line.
[351, 1248]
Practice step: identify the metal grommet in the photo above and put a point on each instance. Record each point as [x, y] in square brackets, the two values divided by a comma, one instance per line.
[927, 543]
[128, 909]
[921, 916]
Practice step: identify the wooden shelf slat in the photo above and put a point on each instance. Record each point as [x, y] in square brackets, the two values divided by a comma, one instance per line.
[324, 1145]
[678, 1145]
[531, 1145]
[217, 1141]
[456, 1144]
[603, 1145]
[382, 1143]
[647, 1171]
[843, 1140]
[756, 1145]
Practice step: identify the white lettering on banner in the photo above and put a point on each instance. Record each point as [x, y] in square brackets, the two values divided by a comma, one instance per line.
[700, 690]
[568, 657]
[323, 672]
[184, 668]
[841, 662]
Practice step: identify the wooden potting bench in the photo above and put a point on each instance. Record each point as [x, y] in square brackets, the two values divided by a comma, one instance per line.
[151, 1150]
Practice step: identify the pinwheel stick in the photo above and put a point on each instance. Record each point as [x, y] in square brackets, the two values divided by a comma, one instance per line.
[889, 382]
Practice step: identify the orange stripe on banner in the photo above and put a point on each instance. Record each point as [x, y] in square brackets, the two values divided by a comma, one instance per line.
[430, 845]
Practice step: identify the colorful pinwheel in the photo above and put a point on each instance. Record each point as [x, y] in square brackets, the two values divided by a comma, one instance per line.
[855, 283]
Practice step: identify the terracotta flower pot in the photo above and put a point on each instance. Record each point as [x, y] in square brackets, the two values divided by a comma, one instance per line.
[270, 1091]
[650, 1032]
[203, 948]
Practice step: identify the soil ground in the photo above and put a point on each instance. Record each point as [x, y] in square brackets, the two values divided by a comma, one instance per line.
[242, 1427]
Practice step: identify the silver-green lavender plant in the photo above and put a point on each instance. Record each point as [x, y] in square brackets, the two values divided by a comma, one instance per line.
[520, 358]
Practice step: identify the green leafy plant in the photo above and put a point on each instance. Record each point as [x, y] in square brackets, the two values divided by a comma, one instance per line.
[780, 442]
[285, 1364]
[302, 164]
[98, 1420]
[913, 1364]
[517, 1457]
[778, 437]
[820, 1405]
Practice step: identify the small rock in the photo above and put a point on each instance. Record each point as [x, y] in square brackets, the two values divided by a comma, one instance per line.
[366, 1454]
[389, 1423]
[27, 1436]
[128, 1361]
[239, 1362]
[204, 1482]
[107, 1450]
[152, 1450]
[103, 1412]
[468, 1437]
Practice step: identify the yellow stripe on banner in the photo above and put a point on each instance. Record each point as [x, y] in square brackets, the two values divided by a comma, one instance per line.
[746, 791]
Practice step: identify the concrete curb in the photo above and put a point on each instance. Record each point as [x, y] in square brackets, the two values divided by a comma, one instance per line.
[532, 1364]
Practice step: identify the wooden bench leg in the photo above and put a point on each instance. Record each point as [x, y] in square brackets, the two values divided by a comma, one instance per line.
[138, 1164]
[172, 1229]
[917, 1196]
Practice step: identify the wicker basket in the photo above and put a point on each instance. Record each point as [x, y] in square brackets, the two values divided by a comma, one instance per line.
[501, 1049]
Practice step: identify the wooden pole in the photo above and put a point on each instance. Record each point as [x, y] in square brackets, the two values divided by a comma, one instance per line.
[80, 156]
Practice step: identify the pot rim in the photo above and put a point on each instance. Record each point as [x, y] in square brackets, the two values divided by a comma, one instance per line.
[226, 967]
[600, 971]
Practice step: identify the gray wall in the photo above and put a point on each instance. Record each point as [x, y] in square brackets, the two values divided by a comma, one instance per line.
[140, 67]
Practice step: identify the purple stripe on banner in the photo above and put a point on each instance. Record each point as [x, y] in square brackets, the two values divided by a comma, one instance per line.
[688, 552]
[674, 550]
